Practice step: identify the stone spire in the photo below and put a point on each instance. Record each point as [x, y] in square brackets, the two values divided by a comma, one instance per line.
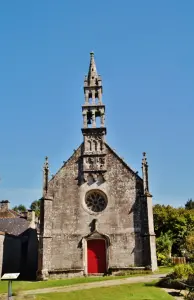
[92, 72]
[45, 176]
[145, 174]
[93, 84]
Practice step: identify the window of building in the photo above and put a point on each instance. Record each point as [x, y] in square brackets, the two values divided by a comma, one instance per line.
[96, 201]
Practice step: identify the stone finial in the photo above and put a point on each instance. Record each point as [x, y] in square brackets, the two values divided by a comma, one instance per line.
[145, 173]
[92, 72]
[46, 163]
[144, 159]
[45, 175]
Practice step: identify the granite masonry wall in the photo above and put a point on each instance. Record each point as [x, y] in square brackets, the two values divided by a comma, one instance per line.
[68, 220]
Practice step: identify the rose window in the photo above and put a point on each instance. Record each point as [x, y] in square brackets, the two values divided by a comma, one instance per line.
[96, 201]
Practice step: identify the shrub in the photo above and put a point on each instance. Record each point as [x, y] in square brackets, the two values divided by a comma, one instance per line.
[168, 262]
[164, 244]
[182, 271]
[163, 260]
[180, 274]
[170, 282]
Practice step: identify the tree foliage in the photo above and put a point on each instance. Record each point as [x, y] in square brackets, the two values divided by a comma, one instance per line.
[20, 208]
[177, 223]
[189, 243]
[35, 205]
[189, 204]
[164, 244]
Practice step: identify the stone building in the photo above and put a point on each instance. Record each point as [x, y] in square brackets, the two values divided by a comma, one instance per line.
[96, 212]
[18, 242]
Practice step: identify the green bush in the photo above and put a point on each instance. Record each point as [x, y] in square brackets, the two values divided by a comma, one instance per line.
[170, 282]
[182, 271]
[163, 260]
[179, 276]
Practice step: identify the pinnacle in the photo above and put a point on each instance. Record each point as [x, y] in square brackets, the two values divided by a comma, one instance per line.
[46, 163]
[92, 72]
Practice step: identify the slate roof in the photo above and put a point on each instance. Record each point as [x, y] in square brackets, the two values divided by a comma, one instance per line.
[14, 226]
[9, 214]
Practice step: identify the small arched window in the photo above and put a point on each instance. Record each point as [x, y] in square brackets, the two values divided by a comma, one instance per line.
[89, 145]
[95, 145]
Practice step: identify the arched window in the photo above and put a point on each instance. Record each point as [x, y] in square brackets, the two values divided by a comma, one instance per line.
[101, 145]
[95, 145]
[89, 145]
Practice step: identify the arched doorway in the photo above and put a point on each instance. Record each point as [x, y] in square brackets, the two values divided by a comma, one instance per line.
[96, 256]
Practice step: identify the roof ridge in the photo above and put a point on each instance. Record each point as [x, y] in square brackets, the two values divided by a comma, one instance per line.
[65, 162]
[15, 213]
[121, 159]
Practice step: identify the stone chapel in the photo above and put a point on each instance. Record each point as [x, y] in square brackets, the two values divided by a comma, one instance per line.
[96, 212]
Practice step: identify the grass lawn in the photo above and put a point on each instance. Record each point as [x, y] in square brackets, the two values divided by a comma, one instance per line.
[122, 292]
[163, 270]
[25, 285]
[28, 285]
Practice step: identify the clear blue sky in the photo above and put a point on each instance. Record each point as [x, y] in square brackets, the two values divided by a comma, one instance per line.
[144, 51]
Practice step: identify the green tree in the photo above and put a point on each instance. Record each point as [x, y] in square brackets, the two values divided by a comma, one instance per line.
[35, 205]
[20, 208]
[177, 222]
[164, 244]
[189, 244]
[189, 204]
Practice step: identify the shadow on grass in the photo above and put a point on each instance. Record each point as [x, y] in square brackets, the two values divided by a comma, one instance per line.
[171, 293]
[174, 294]
[151, 284]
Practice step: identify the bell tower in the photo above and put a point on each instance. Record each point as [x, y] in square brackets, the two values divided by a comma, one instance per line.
[94, 130]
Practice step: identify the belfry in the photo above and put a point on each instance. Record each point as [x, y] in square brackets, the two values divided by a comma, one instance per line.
[94, 152]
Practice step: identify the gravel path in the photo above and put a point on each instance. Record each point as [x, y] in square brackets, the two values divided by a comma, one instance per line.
[90, 285]
[175, 293]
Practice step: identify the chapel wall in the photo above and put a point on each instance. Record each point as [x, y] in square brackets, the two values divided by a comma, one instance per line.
[120, 221]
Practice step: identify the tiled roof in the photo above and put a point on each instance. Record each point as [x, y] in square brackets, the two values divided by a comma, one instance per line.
[14, 226]
[9, 214]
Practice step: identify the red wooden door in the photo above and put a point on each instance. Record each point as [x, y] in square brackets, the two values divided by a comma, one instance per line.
[96, 256]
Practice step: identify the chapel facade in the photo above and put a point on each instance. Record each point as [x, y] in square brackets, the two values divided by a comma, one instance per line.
[96, 212]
